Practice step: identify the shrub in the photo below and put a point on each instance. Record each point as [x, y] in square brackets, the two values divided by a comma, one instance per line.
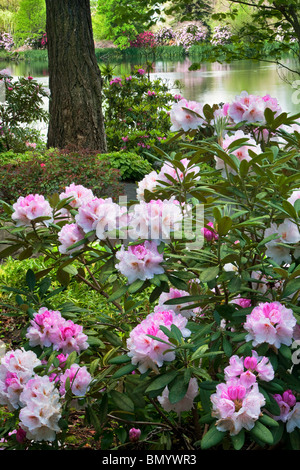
[132, 166]
[49, 174]
[22, 105]
[211, 359]
[136, 112]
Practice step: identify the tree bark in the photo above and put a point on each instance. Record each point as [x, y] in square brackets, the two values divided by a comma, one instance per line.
[75, 104]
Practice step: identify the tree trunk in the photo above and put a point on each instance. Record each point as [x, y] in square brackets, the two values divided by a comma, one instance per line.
[74, 78]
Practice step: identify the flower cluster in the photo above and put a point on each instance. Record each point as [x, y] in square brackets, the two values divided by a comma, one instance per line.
[41, 409]
[28, 209]
[145, 350]
[145, 39]
[237, 402]
[236, 406]
[289, 410]
[189, 35]
[251, 108]
[287, 234]
[271, 323]
[186, 115]
[49, 328]
[221, 35]
[167, 175]
[141, 261]
[164, 36]
[6, 41]
[178, 308]
[241, 153]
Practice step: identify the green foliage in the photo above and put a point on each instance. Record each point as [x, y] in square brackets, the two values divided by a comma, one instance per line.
[132, 166]
[30, 19]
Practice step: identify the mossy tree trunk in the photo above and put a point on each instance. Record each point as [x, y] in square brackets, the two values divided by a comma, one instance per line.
[75, 105]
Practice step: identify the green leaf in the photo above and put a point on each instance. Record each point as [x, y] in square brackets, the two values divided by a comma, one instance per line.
[209, 274]
[291, 287]
[124, 371]
[30, 279]
[268, 421]
[178, 390]
[162, 381]
[261, 432]
[238, 440]
[212, 438]
[122, 401]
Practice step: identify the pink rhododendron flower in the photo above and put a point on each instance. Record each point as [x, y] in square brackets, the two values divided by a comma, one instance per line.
[150, 353]
[176, 174]
[175, 294]
[147, 183]
[270, 323]
[28, 209]
[80, 380]
[185, 404]
[242, 153]
[41, 410]
[242, 302]
[236, 406]
[79, 193]
[249, 368]
[140, 261]
[108, 219]
[186, 115]
[16, 369]
[251, 108]
[155, 220]
[67, 236]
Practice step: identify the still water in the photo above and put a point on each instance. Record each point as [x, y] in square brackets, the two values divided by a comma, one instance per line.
[213, 83]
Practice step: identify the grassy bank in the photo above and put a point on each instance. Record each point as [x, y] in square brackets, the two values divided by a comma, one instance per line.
[201, 53]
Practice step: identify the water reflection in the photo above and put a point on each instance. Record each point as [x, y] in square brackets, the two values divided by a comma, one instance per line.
[212, 83]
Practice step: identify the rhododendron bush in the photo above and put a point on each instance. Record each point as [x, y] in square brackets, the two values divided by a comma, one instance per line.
[201, 272]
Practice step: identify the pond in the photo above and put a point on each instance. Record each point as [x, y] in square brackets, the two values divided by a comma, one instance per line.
[213, 83]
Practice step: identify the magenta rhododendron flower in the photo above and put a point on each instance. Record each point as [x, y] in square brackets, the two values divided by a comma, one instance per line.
[49, 328]
[286, 402]
[186, 115]
[236, 406]
[147, 352]
[134, 434]
[140, 261]
[209, 234]
[270, 323]
[28, 209]
[67, 236]
[185, 404]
